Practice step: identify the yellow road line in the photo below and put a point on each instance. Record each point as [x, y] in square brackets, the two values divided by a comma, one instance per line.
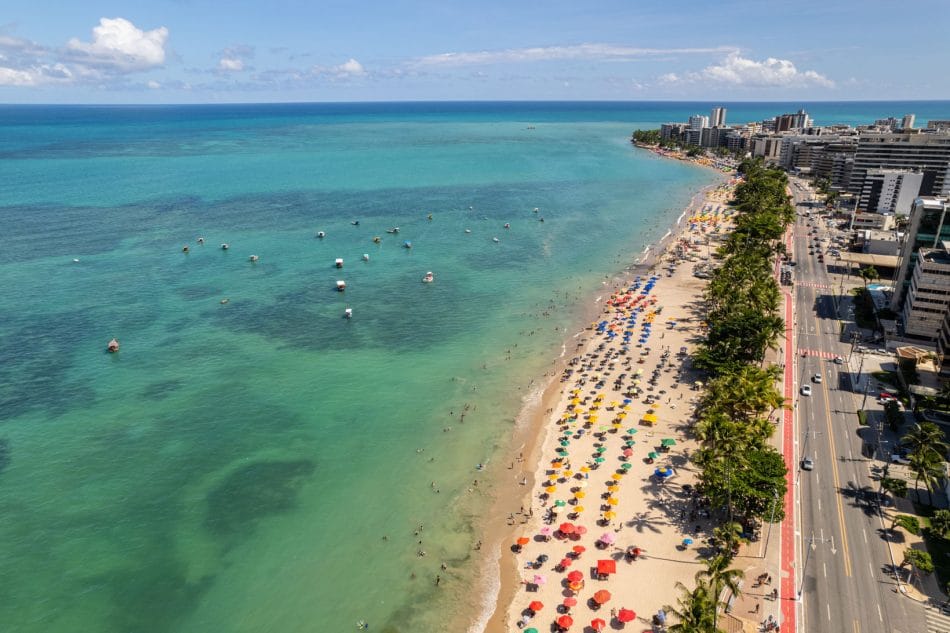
[834, 473]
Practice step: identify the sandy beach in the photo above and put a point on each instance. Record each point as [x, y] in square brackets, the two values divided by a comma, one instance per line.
[609, 506]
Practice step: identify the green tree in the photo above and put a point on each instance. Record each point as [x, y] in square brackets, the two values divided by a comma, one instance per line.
[868, 273]
[728, 537]
[717, 577]
[919, 561]
[892, 413]
[940, 522]
[897, 487]
[927, 468]
[926, 438]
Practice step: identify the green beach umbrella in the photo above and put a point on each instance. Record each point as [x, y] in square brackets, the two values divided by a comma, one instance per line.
[601, 449]
[652, 455]
[565, 443]
[631, 431]
[531, 630]
[629, 443]
[560, 503]
[627, 466]
[600, 460]
[668, 442]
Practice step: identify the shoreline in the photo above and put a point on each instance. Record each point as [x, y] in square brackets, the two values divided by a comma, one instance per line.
[533, 435]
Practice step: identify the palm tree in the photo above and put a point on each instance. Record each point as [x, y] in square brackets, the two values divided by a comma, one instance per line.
[729, 535]
[897, 487]
[926, 438]
[926, 468]
[694, 611]
[718, 576]
[868, 273]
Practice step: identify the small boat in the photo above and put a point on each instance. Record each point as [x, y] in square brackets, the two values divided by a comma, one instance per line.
[507, 226]
[184, 249]
[225, 247]
[428, 278]
[407, 244]
[348, 313]
[429, 218]
[536, 209]
[376, 240]
[494, 239]
[355, 222]
[395, 229]
[224, 301]
[76, 260]
[253, 258]
[321, 234]
[113, 346]
[340, 285]
[339, 262]
[201, 240]
[365, 257]
[468, 230]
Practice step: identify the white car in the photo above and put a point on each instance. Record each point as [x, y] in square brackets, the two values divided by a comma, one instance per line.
[808, 464]
[806, 390]
[817, 379]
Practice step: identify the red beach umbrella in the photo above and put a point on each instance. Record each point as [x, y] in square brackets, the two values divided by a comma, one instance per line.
[565, 621]
[601, 596]
[570, 602]
[575, 576]
[523, 540]
[626, 615]
[580, 530]
[598, 624]
[579, 549]
[536, 606]
[566, 562]
[567, 528]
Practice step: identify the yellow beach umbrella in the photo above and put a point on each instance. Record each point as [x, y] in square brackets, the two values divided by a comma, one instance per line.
[568, 473]
[578, 508]
[610, 514]
[585, 469]
[552, 476]
[612, 501]
[551, 489]
[580, 494]
[616, 476]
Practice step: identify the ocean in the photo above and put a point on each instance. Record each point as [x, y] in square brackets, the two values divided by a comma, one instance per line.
[250, 460]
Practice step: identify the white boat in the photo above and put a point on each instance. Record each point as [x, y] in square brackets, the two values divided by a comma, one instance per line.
[339, 262]
[395, 229]
[365, 257]
[468, 230]
[348, 313]
[428, 278]
[341, 285]
[494, 239]
[321, 234]
[253, 258]
[225, 246]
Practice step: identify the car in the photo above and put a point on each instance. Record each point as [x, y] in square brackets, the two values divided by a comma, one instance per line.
[839, 360]
[885, 397]
[816, 378]
[808, 464]
[899, 459]
[806, 390]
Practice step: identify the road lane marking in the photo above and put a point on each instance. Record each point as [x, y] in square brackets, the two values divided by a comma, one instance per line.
[819, 505]
[835, 478]
[856, 627]
[828, 609]
[824, 570]
[865, 532]
[880, 616]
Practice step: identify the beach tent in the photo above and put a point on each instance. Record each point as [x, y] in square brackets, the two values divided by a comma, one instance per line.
[604, 567]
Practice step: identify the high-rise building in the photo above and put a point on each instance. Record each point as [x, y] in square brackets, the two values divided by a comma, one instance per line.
[717, 117]
[907, 123]
[698, 122]
[908, 151]
[929, 226]
[889, 191]
[928, 296]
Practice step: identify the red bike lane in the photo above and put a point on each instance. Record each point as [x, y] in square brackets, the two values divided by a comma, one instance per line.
[788, 592]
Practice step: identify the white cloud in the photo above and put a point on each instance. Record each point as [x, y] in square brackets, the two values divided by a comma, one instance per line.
[350, 67]
[604, 52]
[119, 45]
[230, 64]
[13, 77]
[740, 71]
[154, 85]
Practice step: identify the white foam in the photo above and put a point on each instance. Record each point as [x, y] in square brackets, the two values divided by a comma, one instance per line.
[492, 574]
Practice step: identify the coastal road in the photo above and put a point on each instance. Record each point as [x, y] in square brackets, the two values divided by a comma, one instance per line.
[844, 578]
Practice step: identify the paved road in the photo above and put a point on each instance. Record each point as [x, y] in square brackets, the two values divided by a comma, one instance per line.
[846, 585]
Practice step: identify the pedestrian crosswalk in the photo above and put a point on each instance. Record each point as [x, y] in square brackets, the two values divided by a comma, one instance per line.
[938, 621]
[816, 352]
[812, 284]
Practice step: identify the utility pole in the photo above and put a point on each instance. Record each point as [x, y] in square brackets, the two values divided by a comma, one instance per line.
[812, 541]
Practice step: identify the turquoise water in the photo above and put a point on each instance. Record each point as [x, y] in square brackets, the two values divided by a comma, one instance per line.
[263, 464]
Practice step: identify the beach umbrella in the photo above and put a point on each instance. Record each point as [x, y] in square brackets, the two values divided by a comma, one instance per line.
[565, 621]
[687, 542]
[579, 509]
[546, 531]
[562, 452]
[612, 501]
[602, 596]
[606, 566]
[568, 473]
[580, 494]
[560, 503]
[580, 530]
[567, 528]
[598, 624]
[627, 452]
[575, 576]
[629, 443]
[523, 540]
[570, 602]
[624, 615]
[556, 464]
[610, 514]
[601, 449]
[579, 549]
[616, 476]
[531, 630]
[551, 489]
[600, 460]
[565, 443]
[552, 476]
[536, 606]
[653, 455]
[631, 431]
[668, 442]
[585, 469]
[539, 579]
[627, 466]
[607, 537]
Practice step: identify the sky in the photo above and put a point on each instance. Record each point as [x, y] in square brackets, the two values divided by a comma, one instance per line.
[204, 51]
